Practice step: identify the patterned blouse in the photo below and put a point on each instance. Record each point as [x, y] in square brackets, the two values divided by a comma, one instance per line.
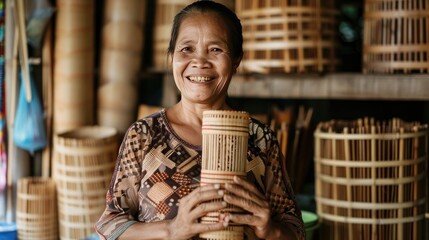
[155, 168]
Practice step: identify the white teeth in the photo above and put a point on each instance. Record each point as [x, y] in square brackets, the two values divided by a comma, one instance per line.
[199, 79]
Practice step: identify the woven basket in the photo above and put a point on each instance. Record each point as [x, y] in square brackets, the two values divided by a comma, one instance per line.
[36, 211]
[83, 164]
[396, 36]
[74, 64]
[288, 36]
[370, 179]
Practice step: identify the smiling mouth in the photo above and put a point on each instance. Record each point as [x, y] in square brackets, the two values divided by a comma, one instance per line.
[199, 79]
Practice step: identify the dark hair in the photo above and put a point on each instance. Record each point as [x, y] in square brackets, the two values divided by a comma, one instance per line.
[235, 34]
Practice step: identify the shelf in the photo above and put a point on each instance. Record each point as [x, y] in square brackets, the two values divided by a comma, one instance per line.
[348, 86]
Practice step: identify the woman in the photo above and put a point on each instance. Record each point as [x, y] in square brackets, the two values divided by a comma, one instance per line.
[155, 193]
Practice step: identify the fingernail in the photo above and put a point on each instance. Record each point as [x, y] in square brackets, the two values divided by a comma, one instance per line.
[221, 192]
[217, 186]
[224, 203]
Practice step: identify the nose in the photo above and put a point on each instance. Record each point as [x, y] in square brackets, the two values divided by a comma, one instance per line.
[200, 60]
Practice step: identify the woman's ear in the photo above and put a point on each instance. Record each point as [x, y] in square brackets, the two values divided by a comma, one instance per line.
[237, 62]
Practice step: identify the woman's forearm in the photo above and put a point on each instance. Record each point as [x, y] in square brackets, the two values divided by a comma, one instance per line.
[146, 231]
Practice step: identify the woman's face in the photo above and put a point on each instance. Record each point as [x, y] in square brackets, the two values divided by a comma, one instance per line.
[202, 63]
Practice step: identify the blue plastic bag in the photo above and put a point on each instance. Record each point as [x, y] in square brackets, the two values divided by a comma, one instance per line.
[29, 129]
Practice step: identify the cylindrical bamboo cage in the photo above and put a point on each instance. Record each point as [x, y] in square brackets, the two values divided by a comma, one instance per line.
[288, 36]
[370, 179]
[83, 164]
[120, 63]
[74, 64]
[396, 36]
[36, 211]
[224, 155]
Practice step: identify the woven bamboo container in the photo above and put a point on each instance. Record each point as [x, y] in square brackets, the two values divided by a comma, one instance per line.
[288, 36]
[396, 36]
[83, 164]
[370, 179]
[36, 211]
[125, 11]
[74, 65]
[120, 63]
[224, 155]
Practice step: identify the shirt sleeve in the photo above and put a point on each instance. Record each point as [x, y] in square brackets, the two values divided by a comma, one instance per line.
[279, 190]
[122, 202]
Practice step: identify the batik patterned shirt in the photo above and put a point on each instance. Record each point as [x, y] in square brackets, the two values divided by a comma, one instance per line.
[155, 168]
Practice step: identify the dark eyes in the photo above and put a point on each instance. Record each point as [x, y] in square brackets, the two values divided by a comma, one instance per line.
[216, 50]
[189, 49]
[185, 49]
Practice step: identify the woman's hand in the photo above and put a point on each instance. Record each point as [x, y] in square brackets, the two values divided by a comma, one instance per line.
[244, 195]
[192, 207]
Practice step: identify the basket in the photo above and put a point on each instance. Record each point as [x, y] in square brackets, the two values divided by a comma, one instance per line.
[370, 179]
[224, 155]
[36, 211]
[74, 64]
[83, 164]
[288, 36]
[396, 36]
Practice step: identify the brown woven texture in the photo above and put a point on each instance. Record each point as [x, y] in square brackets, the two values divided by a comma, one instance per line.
[36, 212]
[396, 36]
[370, 179]
[224, 155]
[290, 36]
[83, 163]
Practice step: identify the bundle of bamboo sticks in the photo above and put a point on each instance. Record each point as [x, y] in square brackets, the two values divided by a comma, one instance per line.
[370, 178]
[295, 141]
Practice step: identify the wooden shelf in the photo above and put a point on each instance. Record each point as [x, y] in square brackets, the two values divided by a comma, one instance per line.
[349, 86]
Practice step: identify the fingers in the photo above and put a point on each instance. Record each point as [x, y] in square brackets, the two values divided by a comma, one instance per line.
[200, 195]
[245, 195]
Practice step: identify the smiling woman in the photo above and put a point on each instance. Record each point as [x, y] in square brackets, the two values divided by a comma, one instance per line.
[155, 191]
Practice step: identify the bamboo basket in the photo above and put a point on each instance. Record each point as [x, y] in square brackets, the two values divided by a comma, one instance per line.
[396, 36]
[370, 179]
[125, 11]
[288, 36]
[224, 155]
[36, 215]
[83, 164]
[74, 65]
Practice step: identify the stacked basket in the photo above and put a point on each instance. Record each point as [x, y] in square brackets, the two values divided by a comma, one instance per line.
[122, 46]
[74, 64]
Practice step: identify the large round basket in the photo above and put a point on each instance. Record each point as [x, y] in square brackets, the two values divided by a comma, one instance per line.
[83, 163]
[396, 36]
[288, 36]
[36, 211]
[370, 179]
